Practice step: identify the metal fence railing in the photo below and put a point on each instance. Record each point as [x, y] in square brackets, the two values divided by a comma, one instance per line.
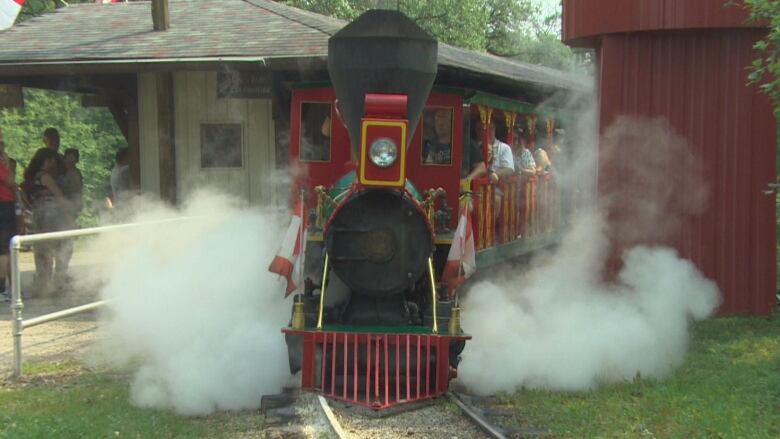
[17, 304]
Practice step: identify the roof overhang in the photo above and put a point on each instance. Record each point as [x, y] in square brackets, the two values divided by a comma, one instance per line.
[153, 64]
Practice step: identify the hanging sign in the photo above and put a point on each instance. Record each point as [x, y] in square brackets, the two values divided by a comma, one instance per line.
[239, 84]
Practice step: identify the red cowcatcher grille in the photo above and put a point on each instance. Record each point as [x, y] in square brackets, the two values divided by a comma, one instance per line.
[376, 370]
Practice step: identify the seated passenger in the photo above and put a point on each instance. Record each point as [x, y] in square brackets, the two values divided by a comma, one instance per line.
[524, 159]
[542, 159]
[500, 164]
[500, 161]
[437, 149]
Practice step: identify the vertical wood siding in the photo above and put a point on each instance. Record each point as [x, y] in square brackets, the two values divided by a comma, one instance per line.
[195, 102]
[697, 80]
[585, 19]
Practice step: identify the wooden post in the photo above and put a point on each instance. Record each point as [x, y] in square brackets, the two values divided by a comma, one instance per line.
[160, 15]
[134, 144]
[165, 135]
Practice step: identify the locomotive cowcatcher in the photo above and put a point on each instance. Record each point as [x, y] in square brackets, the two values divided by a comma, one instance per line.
[369, 326]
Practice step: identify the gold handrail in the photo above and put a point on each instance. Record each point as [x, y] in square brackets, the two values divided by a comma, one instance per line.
[433, 294]
[322, 292]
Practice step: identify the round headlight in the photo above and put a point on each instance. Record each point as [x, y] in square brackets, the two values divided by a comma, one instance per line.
[383, 152]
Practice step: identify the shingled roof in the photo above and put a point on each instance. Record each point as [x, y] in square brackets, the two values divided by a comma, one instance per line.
[214, 30]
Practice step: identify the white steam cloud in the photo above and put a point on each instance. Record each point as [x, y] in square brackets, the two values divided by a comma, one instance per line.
[557, 324]
[558, 327]
[194, 310]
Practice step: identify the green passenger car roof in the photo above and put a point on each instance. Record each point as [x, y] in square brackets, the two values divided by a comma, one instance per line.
[500, 103]
[479, 98]
[327, 84]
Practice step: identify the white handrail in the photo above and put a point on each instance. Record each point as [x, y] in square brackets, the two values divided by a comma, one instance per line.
[17, 304]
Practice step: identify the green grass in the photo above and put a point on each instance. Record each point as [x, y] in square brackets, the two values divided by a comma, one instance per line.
[62, 400]
[729, 387]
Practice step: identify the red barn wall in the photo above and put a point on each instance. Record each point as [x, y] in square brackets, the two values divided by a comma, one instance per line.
[590, 19]
[686, 60]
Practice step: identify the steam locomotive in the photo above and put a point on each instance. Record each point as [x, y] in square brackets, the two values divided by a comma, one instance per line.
[374, 325]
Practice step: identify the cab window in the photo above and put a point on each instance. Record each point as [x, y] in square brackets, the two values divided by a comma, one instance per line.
[437, 136]
[316, 123]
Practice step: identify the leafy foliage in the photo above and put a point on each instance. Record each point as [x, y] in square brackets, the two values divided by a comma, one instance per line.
[32, 8]
[508, 28]
[90, 130]
[765, 70]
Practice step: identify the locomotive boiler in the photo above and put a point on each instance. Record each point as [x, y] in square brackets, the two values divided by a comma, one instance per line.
[369, 326]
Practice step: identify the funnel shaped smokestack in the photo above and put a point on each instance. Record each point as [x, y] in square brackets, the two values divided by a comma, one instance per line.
[381, 51]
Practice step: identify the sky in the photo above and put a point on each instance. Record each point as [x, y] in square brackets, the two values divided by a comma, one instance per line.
[550, 6]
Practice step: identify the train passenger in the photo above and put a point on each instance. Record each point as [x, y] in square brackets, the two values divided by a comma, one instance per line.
[542, 159]
[524, 159]
[500, 161]
[437, 149]
[316, 129]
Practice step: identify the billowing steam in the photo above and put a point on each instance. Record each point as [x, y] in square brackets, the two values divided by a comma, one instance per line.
[558, 325]
[194, 310]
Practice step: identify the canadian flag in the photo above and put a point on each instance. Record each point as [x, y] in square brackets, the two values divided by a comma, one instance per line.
[9, 10]
[288, 261]
[462, 259]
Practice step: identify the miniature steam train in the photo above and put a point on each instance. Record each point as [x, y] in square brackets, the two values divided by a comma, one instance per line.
[372, 325]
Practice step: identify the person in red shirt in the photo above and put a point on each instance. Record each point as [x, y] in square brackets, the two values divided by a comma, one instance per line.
[7, 211]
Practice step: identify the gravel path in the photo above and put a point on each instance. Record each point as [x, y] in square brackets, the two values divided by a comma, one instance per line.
[439, 420]
[56, 341]
[51, 342]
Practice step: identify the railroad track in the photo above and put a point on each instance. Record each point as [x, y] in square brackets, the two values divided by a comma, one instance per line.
[294, 414]
[476, 416]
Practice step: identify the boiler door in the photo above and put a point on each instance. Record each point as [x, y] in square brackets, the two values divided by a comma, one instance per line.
[379, 243]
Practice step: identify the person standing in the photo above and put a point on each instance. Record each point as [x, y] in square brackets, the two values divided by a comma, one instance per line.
[48, 204]
[7, 213]
[120, 177]
[51, 139]
[72, 187]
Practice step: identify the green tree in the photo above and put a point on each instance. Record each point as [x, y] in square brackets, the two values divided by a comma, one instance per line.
[508, 28]
[90, 130]
[765, 70]
[32, 8]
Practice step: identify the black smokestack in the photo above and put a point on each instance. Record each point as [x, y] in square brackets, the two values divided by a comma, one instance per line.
[381, 51]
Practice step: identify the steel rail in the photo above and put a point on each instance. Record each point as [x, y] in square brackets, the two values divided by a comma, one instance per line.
[335, 425]
[475, 417]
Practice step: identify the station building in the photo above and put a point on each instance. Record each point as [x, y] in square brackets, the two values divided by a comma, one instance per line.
[186, 86]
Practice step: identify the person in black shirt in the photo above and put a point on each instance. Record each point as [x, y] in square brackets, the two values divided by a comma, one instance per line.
[438, 149]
